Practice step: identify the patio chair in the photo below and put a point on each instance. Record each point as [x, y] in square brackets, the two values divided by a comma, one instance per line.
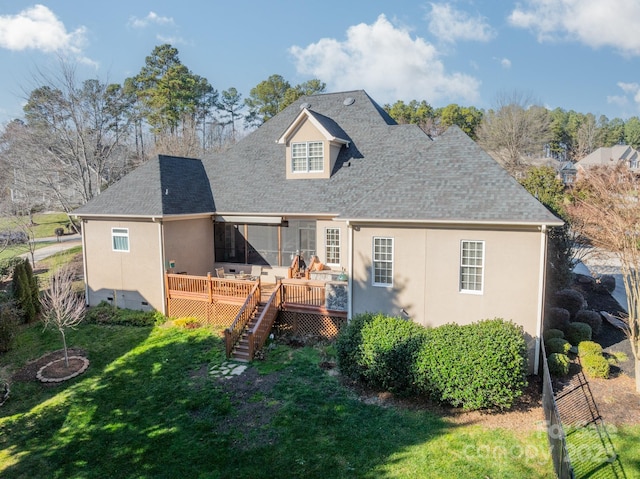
[256, 272]
[220, 273]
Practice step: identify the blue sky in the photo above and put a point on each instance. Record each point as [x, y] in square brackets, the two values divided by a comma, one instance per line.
[581, 55]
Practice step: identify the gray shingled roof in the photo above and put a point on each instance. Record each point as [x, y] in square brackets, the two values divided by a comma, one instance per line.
[165, 185]
[388, 172]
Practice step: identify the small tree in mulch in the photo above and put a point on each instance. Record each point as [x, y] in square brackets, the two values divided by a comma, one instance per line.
[62, 308]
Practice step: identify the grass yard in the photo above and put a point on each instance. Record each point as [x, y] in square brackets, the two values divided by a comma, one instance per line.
[45, 223]
[147, 407]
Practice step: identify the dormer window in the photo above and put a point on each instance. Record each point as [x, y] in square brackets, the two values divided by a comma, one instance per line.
[313, 143]
[307, 157]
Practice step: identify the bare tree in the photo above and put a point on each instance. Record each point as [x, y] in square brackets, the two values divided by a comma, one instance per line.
[62, 308]
[607, 205]
[517, 127]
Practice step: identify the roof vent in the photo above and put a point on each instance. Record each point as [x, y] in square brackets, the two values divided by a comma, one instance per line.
[348, 101]
[305, 106]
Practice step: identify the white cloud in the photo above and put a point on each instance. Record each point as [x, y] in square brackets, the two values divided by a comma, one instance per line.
[505, 62]
[385, 61]
[151, 18]
[450, 25]
[596, 23]
[38, 28]
[172, 40]
[630, 94]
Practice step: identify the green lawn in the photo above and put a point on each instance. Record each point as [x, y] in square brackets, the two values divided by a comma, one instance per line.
[45, 223]
[141, 411]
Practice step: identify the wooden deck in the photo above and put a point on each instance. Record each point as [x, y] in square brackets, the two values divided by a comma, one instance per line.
[247, 309]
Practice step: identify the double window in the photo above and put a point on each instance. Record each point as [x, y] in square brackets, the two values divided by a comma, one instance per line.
[382, 261]
[307, 157]
[471, 266]
[120, 239]
[332, 245]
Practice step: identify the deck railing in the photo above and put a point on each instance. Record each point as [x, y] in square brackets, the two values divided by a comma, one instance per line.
[306, 293]
[232, 333]
[206, 288]
[260, 331]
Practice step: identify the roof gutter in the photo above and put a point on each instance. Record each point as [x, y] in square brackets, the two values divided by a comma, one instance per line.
[454, 222]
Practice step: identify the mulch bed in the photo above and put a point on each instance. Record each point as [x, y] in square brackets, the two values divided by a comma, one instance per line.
[28, 371]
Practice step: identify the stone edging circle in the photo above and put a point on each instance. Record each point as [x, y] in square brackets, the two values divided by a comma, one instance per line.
[43, 379]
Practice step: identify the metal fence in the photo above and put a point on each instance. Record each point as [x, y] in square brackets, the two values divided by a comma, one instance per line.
[555, 431]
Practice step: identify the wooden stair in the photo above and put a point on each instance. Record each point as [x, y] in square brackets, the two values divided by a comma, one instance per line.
[240, 351]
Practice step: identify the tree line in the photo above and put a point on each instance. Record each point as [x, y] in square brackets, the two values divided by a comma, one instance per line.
[78, 137]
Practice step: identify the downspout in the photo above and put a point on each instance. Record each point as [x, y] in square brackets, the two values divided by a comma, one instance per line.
[541, 286]
[84, 262]
[350, 272]
[161, 248]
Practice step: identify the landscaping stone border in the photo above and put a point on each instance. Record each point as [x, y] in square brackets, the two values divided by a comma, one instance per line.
[43, 379]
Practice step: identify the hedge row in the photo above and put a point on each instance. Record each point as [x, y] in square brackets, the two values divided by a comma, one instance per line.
[474, 366]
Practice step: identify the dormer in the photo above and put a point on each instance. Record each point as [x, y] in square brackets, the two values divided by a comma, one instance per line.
[312, 142]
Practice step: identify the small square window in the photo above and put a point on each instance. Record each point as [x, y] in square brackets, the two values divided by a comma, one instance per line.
[120, 239]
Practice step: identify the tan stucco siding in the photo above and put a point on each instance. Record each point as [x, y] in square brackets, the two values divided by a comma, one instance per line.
[190, 244]
[130, 279]
[321, 243]
[426, 276]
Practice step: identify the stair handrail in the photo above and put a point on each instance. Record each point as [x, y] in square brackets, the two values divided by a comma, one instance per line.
[234, 331]
[259, 333]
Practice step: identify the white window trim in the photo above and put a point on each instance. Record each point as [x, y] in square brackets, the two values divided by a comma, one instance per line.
[338, 247]
[373, 262]
[120, 233]
[307, 158]
[482, 268]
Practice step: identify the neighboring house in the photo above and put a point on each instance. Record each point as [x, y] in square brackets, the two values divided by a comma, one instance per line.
[435, 231]
[611, 156]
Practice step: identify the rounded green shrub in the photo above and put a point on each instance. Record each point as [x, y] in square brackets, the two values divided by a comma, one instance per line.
[387, 351]
[595, 366]
[558, 364]
[475, 366]
[586, 348]
[557, 318]
[557, 345]
[578, 332]
[592, 318]
[571, 300]
[552, 333]
[606, 283]
[348, 346]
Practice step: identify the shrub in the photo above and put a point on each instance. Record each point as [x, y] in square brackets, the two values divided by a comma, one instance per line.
[578, 332]
[25, 290]
[592, 318]
[606, 283]
[9, 321]
[475, 366]
[586, 348]
[552, 333]
[104, 313]
[187, 323]
[595, 366]
[558, 364]
[557, 345]
[388, 351]
[348, 346]
[380, 350]
[557, 318]
[571, 300]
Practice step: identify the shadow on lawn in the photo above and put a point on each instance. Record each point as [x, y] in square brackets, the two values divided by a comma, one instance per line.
[155, 412]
